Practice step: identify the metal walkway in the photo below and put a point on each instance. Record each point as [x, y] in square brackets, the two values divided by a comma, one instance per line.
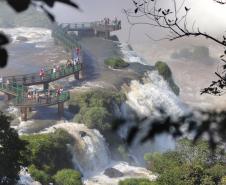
[16, 87]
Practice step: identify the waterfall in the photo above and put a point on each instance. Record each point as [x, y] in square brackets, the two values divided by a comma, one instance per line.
[154, 94]
[90, 151]
[145, 99]
[91, 156]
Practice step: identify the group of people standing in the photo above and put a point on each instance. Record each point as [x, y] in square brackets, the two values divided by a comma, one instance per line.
[34, 95]
[70, 63]
[114, 22]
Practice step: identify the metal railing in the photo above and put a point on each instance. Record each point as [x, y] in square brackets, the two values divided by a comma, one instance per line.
[49, 75]
[41, 100]
[12, 88]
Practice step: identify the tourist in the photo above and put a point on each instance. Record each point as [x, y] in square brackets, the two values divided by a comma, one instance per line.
[7, 83]
[69, 63]
[42, 74]
[61, 90]
[58, 92]
[58, 68]
[77, 51]
[54, 71]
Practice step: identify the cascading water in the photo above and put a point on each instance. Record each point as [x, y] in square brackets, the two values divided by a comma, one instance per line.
[154, 94]
[91, 156]
[90, 152]
[144, 99]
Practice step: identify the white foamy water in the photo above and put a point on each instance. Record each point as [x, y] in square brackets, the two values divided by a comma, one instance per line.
[92, 157]
[90, 152]
[26, 179]
[32, 35]
[130, 55]
[127, 170]
[145, 99]
[154, 94]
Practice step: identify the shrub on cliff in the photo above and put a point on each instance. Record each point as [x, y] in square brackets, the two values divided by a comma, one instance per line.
[133, 181]
[95, 108]
[39, 175]
[116, 63]
[68, 177]
[166, 73]
[47, 152]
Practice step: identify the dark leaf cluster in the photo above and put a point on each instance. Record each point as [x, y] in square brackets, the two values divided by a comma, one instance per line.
[197, 125]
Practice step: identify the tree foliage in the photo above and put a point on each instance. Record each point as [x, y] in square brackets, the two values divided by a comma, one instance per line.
[68, 177]
[138, 181]
[96, 108]
[47, 152]
[188, 165]
[12, 149]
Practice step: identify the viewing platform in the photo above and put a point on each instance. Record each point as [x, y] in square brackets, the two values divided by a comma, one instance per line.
[16, 88]
[70, 33]
[49, 76]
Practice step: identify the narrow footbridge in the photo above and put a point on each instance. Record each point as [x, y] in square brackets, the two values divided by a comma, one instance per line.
[70, 33]
[17, 91]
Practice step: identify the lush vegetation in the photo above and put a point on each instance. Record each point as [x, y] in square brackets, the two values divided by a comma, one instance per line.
[11, 149]
[68, 177]
[189, 165]
[116, 63]
[98, 109]
[134, 181]
[166, 73]
[95, 108]
[48, 155]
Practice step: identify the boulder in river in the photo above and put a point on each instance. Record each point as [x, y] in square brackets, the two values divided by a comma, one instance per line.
[113, 173]
[21, 38]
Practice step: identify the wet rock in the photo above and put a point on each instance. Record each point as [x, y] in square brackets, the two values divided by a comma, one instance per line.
[82, 133]
[21, 38]
[113, 173]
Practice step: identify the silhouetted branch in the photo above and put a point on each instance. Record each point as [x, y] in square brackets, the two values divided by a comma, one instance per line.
[168, 19]
[198, 125]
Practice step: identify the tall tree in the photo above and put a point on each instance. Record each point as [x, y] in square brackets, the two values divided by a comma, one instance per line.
[11, 152]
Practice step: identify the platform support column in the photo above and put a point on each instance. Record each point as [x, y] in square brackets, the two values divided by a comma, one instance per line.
[107, 34]
[76, 75]
[81, 72]
[61, 109]
[23, 112]
[8, 97]
[46, 86]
